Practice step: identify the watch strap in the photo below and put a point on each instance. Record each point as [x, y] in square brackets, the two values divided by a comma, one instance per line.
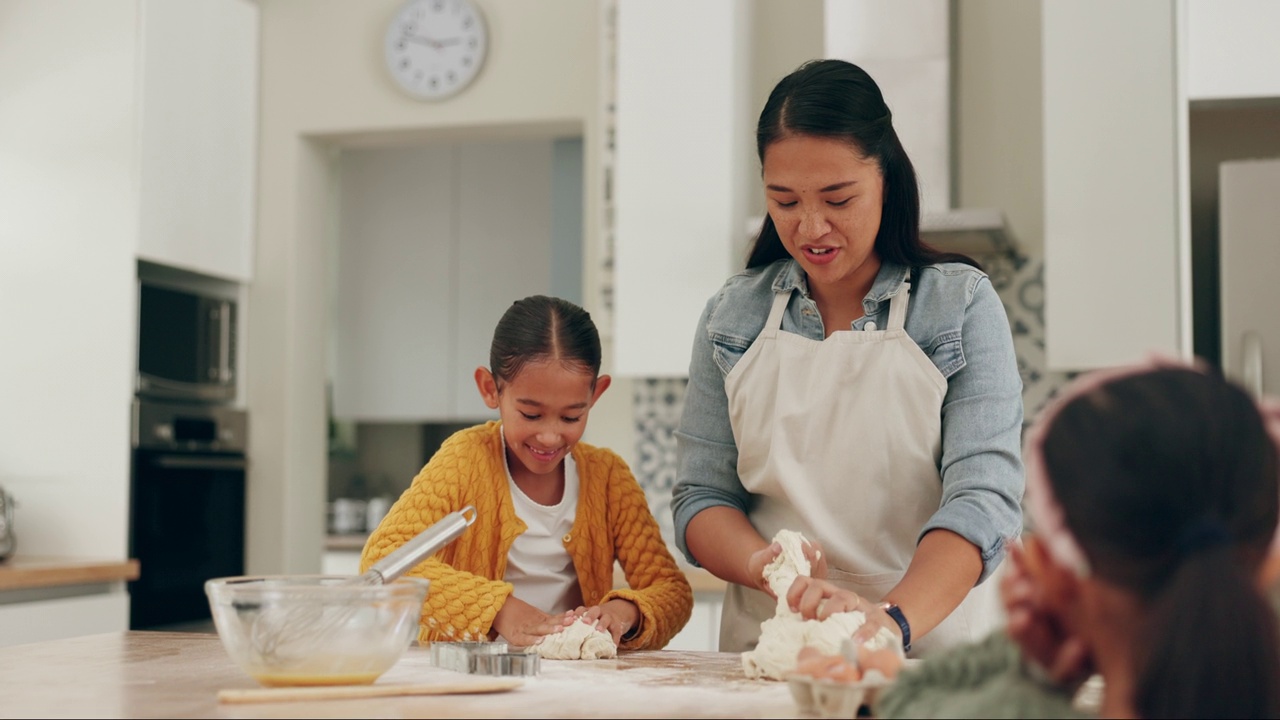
[895, 612]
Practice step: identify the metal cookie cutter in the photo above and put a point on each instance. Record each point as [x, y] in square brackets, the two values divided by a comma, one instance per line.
[457, 656]
[519, 662]
[485, 658]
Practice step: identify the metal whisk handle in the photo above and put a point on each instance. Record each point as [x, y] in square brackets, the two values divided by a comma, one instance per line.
[422, 546]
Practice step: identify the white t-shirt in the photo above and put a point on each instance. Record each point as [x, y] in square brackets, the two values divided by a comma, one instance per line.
[538, 564]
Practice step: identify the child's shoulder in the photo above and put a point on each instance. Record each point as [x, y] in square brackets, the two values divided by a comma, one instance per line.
[469, 443]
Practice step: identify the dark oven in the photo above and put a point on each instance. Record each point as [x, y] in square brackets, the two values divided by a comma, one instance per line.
[187, 508]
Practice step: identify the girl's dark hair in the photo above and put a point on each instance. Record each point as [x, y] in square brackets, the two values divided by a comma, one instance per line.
[540, 328]
[839, 100]
[1168, 480]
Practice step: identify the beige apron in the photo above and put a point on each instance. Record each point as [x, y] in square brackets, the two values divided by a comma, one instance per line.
[840, 439]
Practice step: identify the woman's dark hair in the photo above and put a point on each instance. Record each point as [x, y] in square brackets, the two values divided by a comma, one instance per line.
[1168, 480]
[839, 100]
[540, 328]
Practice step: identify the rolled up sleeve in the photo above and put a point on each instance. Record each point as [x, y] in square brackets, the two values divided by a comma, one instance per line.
[981, 466]
[706, 454]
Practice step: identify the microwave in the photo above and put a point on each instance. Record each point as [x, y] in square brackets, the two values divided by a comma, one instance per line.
[186, 345]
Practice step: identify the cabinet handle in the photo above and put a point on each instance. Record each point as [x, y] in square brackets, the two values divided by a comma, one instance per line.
[224, 344]
[1251, 363]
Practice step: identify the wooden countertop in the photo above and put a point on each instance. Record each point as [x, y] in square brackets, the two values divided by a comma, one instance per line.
[154, 674]
[23, 572]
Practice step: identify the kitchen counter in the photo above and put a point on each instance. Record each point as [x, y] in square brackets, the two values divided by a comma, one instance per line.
[154, 674]
[27, 572]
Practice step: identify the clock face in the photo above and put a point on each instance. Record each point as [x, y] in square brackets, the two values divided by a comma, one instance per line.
[434, 48]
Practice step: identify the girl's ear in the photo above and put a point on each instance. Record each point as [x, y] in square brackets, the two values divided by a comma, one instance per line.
[1269, 573]
[488, 387]
[602, 384]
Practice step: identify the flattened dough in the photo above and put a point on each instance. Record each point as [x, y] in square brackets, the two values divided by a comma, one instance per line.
[782, 635]
[579, 641]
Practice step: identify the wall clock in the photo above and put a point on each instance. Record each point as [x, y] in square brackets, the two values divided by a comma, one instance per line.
[435, 48]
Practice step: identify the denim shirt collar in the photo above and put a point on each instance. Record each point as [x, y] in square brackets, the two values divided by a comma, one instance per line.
[888, 282]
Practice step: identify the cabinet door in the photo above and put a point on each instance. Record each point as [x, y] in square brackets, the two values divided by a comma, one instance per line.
[1113, 126]
[504, 249]
[1232, 51]
[41, 620]
[1249, 252]
[396, 261]
[683, 149]
[198, 146]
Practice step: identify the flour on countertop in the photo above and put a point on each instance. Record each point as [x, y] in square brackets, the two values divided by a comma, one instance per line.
[783, 635]
[579, 641]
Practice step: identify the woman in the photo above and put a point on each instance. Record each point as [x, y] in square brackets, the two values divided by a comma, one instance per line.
[852, 384]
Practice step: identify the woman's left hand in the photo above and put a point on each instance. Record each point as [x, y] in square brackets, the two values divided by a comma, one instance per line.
[817, 599]
[616, 617]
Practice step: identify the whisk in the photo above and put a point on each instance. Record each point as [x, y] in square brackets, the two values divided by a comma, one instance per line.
[292, 626]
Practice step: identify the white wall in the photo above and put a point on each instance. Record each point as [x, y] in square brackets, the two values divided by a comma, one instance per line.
[68, 223]
[323, 86]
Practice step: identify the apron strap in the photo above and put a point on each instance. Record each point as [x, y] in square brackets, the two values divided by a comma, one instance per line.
[898, 307]
[774, 322]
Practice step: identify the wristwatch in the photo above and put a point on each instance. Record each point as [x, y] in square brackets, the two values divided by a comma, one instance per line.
[896, 613]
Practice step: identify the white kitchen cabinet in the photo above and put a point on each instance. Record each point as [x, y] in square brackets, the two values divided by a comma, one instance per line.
[683, 147]
[1232, 51]
[1117, 282]
[436, 242]
[702, 632]
[198, 140]
[57, 618]
[504, 249]
[340, 562]
[396, 273]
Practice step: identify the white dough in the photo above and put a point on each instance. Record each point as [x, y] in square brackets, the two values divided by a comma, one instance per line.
[783, 635]
[579, 641]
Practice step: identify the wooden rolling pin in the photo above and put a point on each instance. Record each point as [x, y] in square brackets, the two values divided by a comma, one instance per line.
[341, 692]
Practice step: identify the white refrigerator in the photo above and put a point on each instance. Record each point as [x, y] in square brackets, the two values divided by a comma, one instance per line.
[1249, 262]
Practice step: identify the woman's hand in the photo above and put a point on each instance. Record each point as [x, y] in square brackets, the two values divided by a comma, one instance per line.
[760, 560]
[522, 624]
[616, 617]
[1041, 635]
[817, 599]
[756, 564]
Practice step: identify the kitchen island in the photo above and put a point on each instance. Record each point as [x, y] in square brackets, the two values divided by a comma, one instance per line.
[178, 675]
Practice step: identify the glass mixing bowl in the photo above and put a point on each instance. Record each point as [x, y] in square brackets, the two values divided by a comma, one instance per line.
[315, 629]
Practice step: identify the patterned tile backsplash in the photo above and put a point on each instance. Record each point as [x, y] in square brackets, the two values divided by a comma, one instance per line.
[1018, 280]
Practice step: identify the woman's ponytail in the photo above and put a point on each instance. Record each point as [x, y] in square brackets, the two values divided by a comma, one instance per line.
[1212, 648]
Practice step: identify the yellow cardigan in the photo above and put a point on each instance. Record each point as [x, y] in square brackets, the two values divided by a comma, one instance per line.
[612, 522]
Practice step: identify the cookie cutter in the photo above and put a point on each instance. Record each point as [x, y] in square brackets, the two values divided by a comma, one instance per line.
[516, 663]
[485, 658]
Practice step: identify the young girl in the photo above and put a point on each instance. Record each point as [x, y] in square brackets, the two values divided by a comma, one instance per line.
[1153, 493]
[553, 513]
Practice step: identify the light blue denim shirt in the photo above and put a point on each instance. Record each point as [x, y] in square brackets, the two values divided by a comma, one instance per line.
[958, 321]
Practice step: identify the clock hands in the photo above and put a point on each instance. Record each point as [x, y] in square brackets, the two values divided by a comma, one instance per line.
[430, 42]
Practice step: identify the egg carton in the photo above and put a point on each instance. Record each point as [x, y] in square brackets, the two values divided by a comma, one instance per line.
[486, 658]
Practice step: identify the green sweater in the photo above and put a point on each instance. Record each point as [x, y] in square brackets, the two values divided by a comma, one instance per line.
[981, 680]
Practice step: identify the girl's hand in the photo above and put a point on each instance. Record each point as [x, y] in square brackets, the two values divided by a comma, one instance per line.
[1041, 635]
[522, 624]
[616, 617]
[817, 599]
